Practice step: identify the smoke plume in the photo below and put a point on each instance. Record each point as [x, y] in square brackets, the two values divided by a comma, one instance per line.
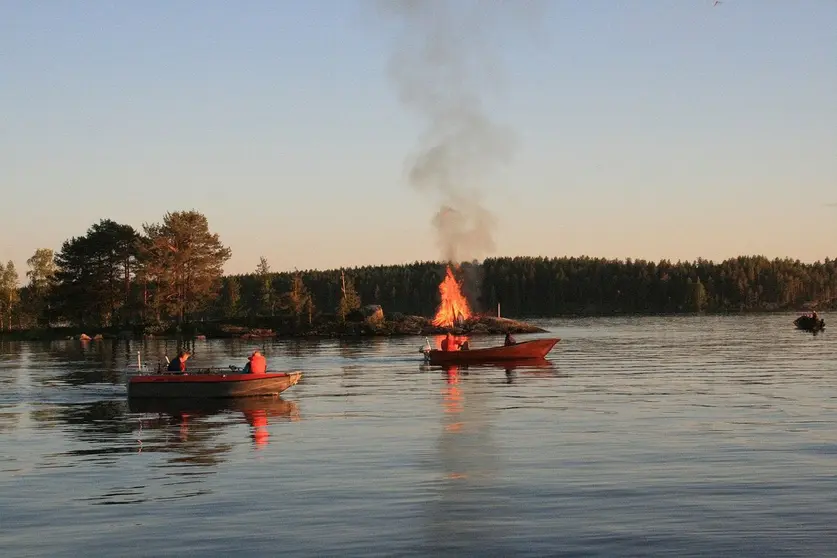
[443, 65]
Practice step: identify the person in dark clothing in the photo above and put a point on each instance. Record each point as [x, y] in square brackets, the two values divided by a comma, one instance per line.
[178, 364]
[509, 340]
[449, 343]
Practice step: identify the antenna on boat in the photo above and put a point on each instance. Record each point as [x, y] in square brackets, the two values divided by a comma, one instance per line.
[426, 350]
[139, 361]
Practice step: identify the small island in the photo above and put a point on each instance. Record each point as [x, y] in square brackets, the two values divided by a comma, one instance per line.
[372, 324]
[167, 280]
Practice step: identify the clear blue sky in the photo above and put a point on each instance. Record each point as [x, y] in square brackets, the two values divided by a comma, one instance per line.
[645, 128]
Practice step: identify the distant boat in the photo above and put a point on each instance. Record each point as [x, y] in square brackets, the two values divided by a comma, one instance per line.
[809, 323]
[535, 349]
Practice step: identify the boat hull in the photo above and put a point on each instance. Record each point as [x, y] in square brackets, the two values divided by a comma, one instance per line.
[526, 350]
[207, 386]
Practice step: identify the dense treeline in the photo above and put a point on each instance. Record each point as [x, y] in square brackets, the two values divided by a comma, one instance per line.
[171, 273]
[529, 287]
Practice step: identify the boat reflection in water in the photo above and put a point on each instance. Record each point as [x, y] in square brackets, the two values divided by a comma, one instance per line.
[193, 415]
[527, 367]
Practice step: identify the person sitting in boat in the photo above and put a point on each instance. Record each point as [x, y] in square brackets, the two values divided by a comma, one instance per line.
[256, 363]
[449, 343]
[178, 364]
[465, 346]
[814, 316]
[509, 340]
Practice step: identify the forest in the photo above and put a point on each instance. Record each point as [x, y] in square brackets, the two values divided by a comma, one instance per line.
[171, 273]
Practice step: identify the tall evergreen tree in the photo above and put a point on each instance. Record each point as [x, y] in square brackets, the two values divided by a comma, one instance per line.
[9, 294]
[94, 273]
[185, 261]
[41, 282]
[266, 300]
[299, 301]
[230, 297]
[349, 299]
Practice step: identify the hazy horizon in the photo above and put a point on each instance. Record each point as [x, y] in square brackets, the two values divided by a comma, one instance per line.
[649, 130]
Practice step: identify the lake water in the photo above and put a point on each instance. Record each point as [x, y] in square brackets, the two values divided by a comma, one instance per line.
[686, 436]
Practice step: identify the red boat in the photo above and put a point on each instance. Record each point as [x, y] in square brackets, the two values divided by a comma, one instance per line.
[209, 384]
[525, 350]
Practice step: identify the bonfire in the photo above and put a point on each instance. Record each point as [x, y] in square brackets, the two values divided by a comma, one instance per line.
[453, 308]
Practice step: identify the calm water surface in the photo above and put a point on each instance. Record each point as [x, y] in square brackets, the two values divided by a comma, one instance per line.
[711, 436]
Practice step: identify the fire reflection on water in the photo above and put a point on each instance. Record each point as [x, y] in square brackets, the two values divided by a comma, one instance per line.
[452, 397]
[470, 471]
[465, 442]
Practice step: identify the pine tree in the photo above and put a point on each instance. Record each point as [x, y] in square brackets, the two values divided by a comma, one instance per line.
[185, 261]
[9, 294]
[349, 299]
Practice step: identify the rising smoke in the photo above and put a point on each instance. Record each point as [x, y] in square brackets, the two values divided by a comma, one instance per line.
[445, 62]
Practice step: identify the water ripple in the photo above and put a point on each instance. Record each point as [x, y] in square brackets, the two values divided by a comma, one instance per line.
[684, 436]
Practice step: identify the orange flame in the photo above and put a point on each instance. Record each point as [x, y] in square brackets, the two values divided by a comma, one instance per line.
[454, 306]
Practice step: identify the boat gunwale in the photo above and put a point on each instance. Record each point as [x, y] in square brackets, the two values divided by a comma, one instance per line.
[181, 378]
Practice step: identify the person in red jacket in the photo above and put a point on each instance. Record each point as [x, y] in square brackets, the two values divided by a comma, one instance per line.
[256, 364]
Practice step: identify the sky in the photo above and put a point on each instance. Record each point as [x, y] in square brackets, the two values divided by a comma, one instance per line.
[645, 128]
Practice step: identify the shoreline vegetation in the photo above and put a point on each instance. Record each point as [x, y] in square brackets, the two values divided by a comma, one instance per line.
[167, 281]
[325, 327]
[279, 328]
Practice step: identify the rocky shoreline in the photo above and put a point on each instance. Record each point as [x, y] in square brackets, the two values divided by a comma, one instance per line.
[373, 326]
[402, 326]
